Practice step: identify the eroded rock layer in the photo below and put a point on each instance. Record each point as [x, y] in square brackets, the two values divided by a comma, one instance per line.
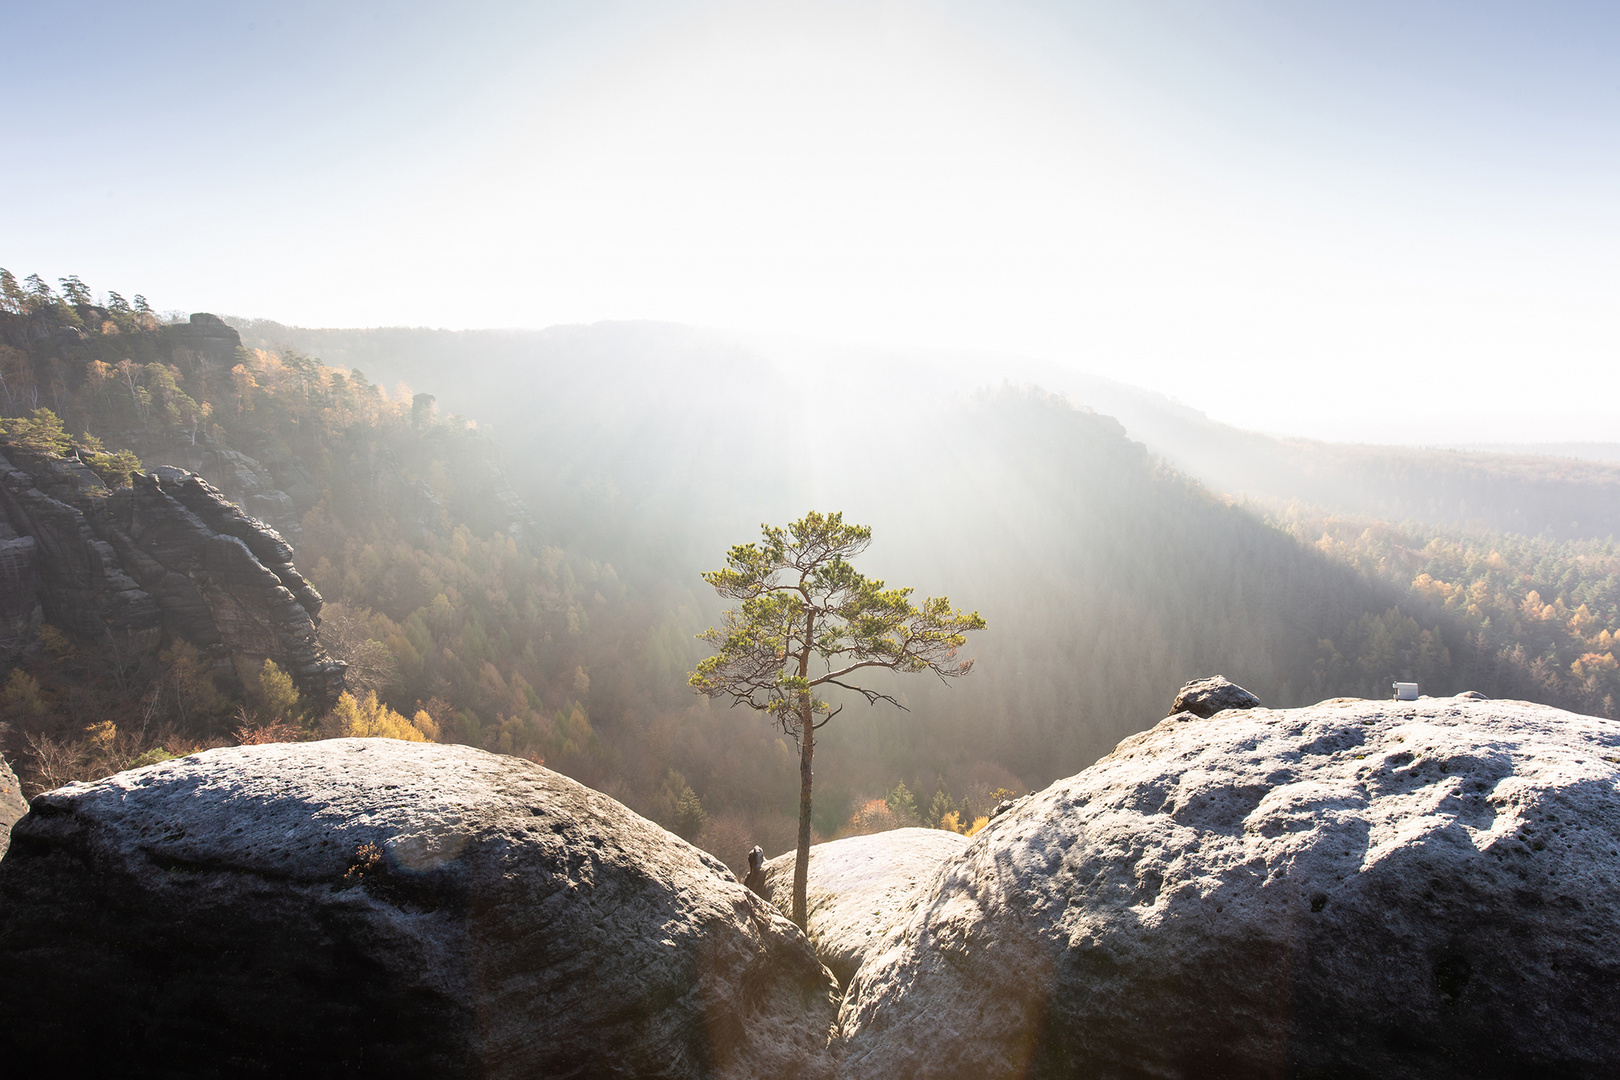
[1357, 889]
[375, 907]
[167, 558]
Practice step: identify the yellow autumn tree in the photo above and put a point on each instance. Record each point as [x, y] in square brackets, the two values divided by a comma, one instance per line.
[372, 719]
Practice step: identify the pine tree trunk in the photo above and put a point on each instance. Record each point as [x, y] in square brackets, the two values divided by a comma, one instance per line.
[801, 866]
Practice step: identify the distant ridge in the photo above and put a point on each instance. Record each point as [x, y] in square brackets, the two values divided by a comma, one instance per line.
[1594, 451]
[1569, 491]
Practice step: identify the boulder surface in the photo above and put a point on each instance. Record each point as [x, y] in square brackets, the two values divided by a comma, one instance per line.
[1356, 889]
[1206, 697]
[859, 887]
[373, 907]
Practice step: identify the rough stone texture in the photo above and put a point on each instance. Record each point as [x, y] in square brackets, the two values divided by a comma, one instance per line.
[12, 803]
[1357, 889]
[859, 887]
[1206, 697]
[222, 915]
[242, 479]
[186, 542]
[20, 613]
[169, 557]
[82, 587]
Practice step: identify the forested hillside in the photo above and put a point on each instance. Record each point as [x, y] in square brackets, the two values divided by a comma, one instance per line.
[537, 592]
[1538, 616]
[1569, 492]
[682, 455]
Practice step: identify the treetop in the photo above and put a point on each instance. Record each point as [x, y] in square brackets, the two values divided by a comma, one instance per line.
[802, 602]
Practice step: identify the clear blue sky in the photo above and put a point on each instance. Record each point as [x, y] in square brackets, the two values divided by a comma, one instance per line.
[1383, 220]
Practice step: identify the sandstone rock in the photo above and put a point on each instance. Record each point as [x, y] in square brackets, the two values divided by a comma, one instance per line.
[12, 803]
[242, 479]
[188, 544]
[204, 335]
[20, 613]
[82, 586]
[1357, 889]
[373, 907]
[169, 557]
[1206, 697]
[859, 887]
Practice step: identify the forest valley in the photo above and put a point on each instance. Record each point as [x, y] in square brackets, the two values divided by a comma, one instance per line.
[539, 594]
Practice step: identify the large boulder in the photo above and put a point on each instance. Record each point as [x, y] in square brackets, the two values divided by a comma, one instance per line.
[373, 907]
[1206, 697]
[859, 887]
[1357, 889]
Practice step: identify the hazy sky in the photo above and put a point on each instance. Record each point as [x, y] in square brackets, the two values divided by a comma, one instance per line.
[1380, 220]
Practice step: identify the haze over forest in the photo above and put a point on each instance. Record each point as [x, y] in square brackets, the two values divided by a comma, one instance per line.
[1255, 340]
[508, 530]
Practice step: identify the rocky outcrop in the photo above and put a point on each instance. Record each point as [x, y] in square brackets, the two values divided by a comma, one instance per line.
[244, 480]
[409, 501]
[205, 336]
[858, 888]
[374, 907]
[487, 499]
[167, 558]
[12, 803]
[1206, 697]
[83, 588]
[1357, 889]
[20, 613]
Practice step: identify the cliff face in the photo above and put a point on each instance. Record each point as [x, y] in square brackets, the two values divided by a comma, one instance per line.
[125, 573]
[19, 592]
[169, 558]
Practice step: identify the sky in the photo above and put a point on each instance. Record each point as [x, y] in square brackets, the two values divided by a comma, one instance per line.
[1381, 221]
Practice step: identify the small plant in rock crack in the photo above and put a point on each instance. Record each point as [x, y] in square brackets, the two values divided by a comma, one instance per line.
[368, 861]
[381, 880]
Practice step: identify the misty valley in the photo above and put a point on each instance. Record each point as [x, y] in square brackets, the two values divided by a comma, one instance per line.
[350, 682]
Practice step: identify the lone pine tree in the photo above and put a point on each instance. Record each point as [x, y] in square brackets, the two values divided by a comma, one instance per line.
[810, 620]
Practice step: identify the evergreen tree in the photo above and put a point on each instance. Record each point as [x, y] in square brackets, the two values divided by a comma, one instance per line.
[901, 804]
[937, 809]
[690, 816]
[76, 291]
[805, 607]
